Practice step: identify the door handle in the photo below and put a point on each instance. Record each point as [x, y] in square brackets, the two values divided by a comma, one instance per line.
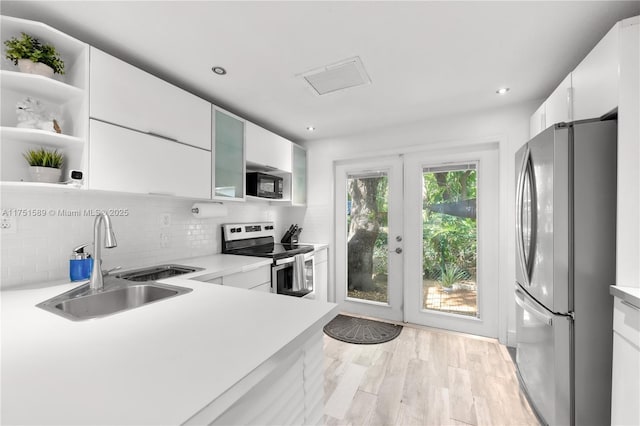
[540, 315]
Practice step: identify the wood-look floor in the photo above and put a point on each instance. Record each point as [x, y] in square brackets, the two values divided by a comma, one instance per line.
[423, 377]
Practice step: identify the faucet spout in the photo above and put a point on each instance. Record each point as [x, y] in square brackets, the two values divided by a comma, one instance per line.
[96, 282]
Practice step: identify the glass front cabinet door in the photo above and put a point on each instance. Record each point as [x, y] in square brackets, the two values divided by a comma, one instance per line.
[299, 179]
[229, 168]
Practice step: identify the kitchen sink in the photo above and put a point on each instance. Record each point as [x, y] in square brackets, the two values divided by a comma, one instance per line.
[118, 295]
[155, 273]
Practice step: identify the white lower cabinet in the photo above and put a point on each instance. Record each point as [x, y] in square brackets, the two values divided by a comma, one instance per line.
[625, 391]
[256, 279]
[124, 160]
[321, 265]
[292, 394]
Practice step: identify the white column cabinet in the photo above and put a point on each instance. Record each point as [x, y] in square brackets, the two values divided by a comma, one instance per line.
[537, 121]
[125, 95]
[125, 160]
[266, 150]
[595, 79]
[628, 220]
[558, 107]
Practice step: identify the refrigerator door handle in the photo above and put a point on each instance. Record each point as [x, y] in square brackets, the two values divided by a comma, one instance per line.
[543, 316]
[526, 180]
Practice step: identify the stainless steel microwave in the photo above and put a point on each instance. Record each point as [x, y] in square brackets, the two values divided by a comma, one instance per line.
[264, 185]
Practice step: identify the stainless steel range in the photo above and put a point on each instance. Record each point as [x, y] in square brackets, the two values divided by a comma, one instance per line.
[292, 271]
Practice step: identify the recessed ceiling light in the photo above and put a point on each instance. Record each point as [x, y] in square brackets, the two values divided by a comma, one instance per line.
[502, 90]
[310, 128]
[219, 70]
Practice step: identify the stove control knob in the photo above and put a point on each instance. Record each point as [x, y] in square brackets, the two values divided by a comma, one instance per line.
[238, 229]
[232, 230]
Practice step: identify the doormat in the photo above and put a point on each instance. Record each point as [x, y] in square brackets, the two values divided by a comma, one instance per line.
[361, 331]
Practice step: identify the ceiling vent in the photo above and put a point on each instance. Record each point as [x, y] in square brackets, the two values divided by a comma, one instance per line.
[338, 76]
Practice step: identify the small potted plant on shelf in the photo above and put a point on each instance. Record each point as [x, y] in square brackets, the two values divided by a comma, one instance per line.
[34, 57]
[45, 164]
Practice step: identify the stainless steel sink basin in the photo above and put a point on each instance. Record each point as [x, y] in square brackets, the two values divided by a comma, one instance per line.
[155, 273]
[118, 295]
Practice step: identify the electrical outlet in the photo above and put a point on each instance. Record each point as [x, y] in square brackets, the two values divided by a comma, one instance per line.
[165, 240]
[165, 220]
[8, 225]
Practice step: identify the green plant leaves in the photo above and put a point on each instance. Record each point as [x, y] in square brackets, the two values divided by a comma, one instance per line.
[28, 47]
[43, 157]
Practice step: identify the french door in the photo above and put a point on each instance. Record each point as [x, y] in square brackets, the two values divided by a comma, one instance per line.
[417, 240]
[369, 237]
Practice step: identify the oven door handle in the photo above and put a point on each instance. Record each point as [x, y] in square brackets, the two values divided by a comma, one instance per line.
[285, 261]
[288, 260]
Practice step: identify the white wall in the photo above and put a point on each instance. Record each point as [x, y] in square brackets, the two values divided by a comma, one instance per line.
[40, 249]
[509, 126]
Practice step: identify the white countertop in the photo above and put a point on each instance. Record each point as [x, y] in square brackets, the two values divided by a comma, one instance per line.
[157, 364]
[630, 294]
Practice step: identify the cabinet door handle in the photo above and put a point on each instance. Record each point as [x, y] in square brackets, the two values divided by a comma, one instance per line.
[631, 305]
[170, 194]
[158, 135]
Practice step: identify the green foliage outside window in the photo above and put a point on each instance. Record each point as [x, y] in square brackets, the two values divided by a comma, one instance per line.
[448, 240]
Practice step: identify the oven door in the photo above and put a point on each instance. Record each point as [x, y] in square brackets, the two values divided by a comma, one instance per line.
[286, 280]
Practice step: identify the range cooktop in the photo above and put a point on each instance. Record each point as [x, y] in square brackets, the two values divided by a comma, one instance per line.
[273, 250]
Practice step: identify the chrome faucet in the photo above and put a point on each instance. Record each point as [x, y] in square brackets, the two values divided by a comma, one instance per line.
[96, 282]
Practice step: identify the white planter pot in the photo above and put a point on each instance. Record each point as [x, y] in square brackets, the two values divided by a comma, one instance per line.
[30, 67]
[45, 174]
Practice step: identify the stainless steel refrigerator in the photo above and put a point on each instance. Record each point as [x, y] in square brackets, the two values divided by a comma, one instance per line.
[565, 237]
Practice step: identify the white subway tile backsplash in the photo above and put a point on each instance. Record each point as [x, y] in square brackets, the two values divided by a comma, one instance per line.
[41, 247]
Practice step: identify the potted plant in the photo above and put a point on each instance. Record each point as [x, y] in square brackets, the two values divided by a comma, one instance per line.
[45, 164]
[33, 56]
[450, 275]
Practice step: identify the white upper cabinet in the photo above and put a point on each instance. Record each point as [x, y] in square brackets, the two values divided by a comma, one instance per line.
[558, 106]
[125, 160]
[537, 121]
[595, 79]
[267, 151]
[125, 95]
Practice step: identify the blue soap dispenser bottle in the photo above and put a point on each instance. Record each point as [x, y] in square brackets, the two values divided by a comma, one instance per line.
[80, 264]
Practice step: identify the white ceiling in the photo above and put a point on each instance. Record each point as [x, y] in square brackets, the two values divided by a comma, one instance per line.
[424, 58]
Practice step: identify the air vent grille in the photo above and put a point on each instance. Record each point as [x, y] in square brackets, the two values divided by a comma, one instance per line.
[338, 76]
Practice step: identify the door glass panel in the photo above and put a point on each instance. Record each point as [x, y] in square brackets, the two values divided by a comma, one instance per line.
[229, 158]
[299, 175]
[367, 234]
[449, 239]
